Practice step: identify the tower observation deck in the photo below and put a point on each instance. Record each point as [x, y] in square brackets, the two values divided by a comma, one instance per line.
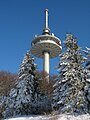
[46, 46]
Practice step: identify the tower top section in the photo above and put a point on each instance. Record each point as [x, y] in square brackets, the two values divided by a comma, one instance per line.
[46, 42]
[46, 29]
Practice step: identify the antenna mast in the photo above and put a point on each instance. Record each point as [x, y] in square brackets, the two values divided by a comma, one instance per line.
[46, 30]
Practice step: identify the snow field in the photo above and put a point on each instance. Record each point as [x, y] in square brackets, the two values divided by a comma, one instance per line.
[56, 117]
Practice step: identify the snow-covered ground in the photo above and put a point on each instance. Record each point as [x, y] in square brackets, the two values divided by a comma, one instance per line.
[53, 117]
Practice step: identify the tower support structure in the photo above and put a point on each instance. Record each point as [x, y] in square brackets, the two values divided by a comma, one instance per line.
[46, 62]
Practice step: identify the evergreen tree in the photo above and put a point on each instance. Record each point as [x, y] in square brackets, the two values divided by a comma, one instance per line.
[20, 100]
[87, 73]
[69, 95]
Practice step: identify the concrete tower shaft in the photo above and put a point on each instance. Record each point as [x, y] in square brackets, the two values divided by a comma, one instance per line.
[46, 62]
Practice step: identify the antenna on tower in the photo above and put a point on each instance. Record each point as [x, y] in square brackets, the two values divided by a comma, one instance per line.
[46, 18]
[46, 30]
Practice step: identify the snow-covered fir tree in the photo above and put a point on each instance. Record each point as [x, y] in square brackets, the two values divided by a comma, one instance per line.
[21, 98]
[69, 95]
[87, 73]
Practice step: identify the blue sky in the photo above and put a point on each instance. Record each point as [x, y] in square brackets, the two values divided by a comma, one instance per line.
[20, 20]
